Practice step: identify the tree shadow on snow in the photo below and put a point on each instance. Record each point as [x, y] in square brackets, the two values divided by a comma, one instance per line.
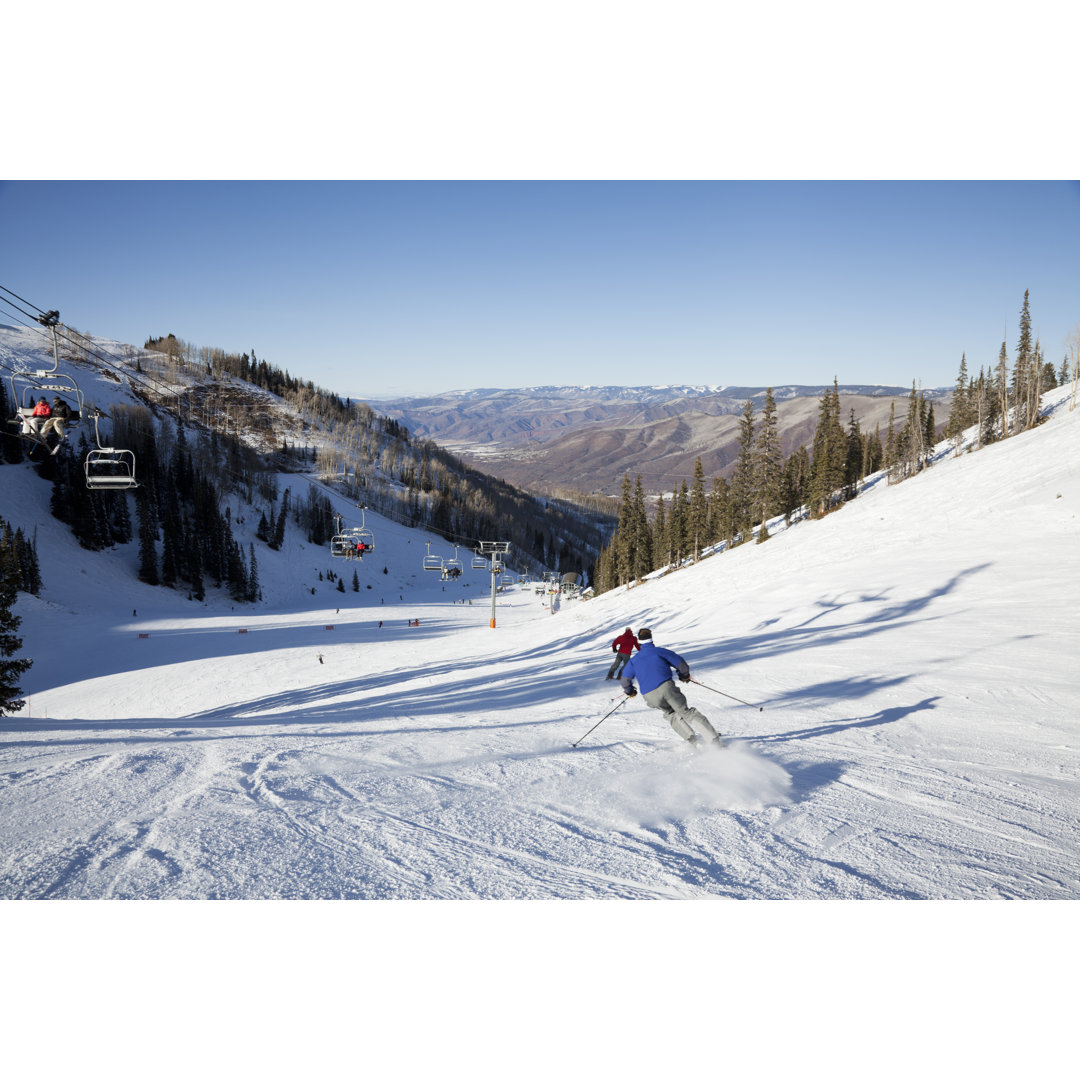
[882, 716]
[854, 622]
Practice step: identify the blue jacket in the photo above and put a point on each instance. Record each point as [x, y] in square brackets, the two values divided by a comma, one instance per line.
[652, 667]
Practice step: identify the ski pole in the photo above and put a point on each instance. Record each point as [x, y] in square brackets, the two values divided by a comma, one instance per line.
[598, 723]
[760, 708]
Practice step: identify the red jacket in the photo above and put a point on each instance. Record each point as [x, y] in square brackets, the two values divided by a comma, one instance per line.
[41, 409]
[625, 643]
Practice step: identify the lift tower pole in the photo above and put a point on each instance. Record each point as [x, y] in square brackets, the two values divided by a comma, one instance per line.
[494, 549]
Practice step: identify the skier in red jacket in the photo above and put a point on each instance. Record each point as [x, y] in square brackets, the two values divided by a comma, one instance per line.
[623, 647]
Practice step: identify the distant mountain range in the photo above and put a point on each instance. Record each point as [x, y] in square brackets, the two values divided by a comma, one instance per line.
[549, 439]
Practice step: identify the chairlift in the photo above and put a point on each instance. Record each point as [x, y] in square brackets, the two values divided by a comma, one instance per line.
[432, 562]
[363, 533]
[27, 385]
[339, 545]
[479, 562]
[345, 544]
[455, 562]
[107, 467]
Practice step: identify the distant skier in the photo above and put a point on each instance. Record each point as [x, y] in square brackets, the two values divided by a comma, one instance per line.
[652, 667]
[623, 647]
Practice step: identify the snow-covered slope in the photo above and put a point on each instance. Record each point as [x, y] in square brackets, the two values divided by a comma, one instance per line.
[913, 657]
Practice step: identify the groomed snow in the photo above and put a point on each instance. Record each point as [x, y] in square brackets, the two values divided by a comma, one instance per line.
[914, 658]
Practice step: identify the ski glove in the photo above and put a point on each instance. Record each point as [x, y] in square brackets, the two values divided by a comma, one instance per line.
[684, 678]
[631, 692]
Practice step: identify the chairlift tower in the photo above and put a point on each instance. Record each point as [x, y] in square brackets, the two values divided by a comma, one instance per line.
[496, 551]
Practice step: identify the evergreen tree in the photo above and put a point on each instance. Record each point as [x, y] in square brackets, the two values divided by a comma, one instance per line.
[279, 525]
[148, 568]
[854, 458]
[623, 534]
[355, 581]
[699, 510]
[11, 670]
[873, 452]
[960, 411]
[1001, 391]
[659, 536]
[743, 488]
[683, 509]
[194, 567]
[254, 592]
[796, 482]
[830, 451]
[641, 556]
[769, 463]
[1023, 377]
[891, 448]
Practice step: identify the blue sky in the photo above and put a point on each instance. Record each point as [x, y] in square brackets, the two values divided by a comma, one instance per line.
[376, 289]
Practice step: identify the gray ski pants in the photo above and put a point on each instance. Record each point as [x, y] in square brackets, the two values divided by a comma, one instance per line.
[668, 698]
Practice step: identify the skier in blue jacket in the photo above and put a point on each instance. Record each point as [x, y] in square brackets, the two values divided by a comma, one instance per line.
[652, 667]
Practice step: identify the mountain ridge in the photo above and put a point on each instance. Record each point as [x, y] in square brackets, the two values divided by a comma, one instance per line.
[587, 438]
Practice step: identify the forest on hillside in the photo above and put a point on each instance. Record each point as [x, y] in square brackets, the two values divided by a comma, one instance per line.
[194, 453]
[813, 481]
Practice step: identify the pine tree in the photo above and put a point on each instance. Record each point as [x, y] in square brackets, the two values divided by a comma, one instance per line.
[800, 474]
[659, 536]
[641, 555]
[355, 581]
[699, 510]
[676, 529]
[854, 458]
[11, 670]
[960, 411]
[769, 463]
[873, 452]
[977, 402]
[830, 445]
[148, 568]
[743, 489]
[253, 588]
[1001, 390]
[623, 534]
[1023, 373]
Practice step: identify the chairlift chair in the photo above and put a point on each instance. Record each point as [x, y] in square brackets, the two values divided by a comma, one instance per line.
[454, 563]
[339, 545]
[479, 562]
[107, 467]
[432, 562]
[27, 385]
[363, 533]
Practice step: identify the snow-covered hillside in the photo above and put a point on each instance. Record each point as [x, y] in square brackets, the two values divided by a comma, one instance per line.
[914, 660]
[913, 656]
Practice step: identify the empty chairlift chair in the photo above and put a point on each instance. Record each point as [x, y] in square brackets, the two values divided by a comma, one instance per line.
[109, 468]
[432, 562]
